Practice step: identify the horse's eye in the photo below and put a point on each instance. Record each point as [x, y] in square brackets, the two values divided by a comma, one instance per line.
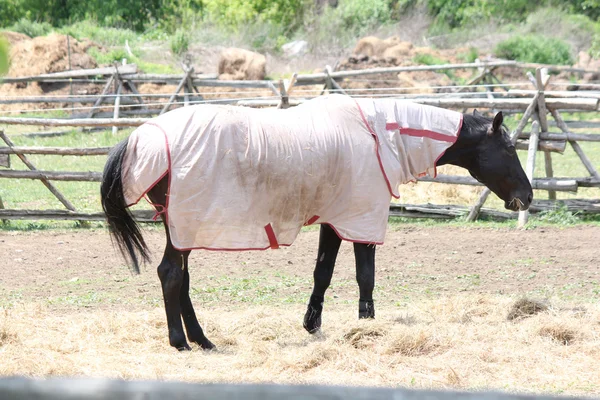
[511, 150]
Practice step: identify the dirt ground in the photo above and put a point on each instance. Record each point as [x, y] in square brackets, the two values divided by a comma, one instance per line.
[415, 261]
[70, 307]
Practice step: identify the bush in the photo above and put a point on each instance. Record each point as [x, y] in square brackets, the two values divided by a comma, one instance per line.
[103, 35]
[427, 59]
[180, 42]
[456, 13]
[110, 57]
[359, 15]
[535, 49]
[31, 29]
[236, 14]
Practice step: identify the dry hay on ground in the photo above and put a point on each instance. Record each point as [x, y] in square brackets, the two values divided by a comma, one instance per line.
[442, 298]
[438, 348]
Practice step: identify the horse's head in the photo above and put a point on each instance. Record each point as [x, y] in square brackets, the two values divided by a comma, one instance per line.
[484, 149]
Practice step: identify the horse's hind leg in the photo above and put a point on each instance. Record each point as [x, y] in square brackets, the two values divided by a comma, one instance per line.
[194, 331]
[170, 272]
[329, 245]
[175, 282]
[365, 276]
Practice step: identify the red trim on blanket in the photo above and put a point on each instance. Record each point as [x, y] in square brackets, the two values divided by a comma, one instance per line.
[227, 249]
[312, 220]
[393, 126]
[387, 181]
[271, 235]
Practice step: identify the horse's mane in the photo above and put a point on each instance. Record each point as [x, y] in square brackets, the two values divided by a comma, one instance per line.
[476, 122]
[479, 123]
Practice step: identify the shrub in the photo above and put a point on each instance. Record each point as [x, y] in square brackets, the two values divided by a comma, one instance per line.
[236, 14]
[470, 56]
[359, 15]
[114, 55]
[427, 59]
[103, 35]
[31, 29]
[535, 49]
[180, 42]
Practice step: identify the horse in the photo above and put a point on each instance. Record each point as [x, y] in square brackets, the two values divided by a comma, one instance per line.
[234, 178]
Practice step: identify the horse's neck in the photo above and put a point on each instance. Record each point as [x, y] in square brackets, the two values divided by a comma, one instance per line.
[464, 151]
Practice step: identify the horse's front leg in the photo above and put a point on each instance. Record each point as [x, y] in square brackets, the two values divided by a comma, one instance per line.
[329, 245]
[365, 276]
[193, 328]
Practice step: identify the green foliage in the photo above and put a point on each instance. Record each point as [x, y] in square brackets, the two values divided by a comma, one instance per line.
[180, 42]
[118, 54]
[470, 56]
[111, 56]
[560, 216]
[30, 28]
[427, 59]
[590, 8]
[10, 11]
[133, 14]
[358, 15]
[104, 35]
[536, 49]
[4, 62]
[237, 13]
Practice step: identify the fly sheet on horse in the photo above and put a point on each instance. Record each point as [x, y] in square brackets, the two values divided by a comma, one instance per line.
[242, 178]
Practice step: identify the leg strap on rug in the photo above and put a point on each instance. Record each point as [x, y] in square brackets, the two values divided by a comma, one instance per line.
[160, 209]
[271, 235]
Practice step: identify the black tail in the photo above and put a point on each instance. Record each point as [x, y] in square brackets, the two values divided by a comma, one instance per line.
[123, 228]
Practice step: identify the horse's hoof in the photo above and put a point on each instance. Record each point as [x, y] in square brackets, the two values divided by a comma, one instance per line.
[206, 344]
[312, 320]
[366, 309]
[185, 347]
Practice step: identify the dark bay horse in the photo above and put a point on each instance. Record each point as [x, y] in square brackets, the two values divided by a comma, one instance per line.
[482, 147]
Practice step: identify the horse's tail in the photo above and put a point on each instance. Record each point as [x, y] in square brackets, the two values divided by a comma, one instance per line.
[123, 228]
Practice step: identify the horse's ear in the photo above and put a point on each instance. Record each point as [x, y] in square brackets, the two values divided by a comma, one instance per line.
[476, 113]
[497, 124]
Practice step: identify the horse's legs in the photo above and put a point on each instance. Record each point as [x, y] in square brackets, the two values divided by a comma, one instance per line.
[329, 245]
[175, 282]
[170, 272]
[194, 331]
[365, 276]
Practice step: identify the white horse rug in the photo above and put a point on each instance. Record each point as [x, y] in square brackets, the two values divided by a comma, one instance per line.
[246, 179]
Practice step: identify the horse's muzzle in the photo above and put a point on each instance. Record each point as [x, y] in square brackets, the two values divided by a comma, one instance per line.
[519, 203]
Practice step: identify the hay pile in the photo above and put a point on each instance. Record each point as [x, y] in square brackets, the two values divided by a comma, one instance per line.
[372, 52]
[42, 55]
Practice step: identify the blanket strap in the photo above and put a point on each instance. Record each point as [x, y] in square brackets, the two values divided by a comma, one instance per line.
[271, 235]
[160, 209]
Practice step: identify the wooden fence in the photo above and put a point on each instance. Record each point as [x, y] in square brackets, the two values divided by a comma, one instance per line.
[535, 105]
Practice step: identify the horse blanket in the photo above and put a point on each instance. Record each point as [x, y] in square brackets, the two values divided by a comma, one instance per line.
[249, 179]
